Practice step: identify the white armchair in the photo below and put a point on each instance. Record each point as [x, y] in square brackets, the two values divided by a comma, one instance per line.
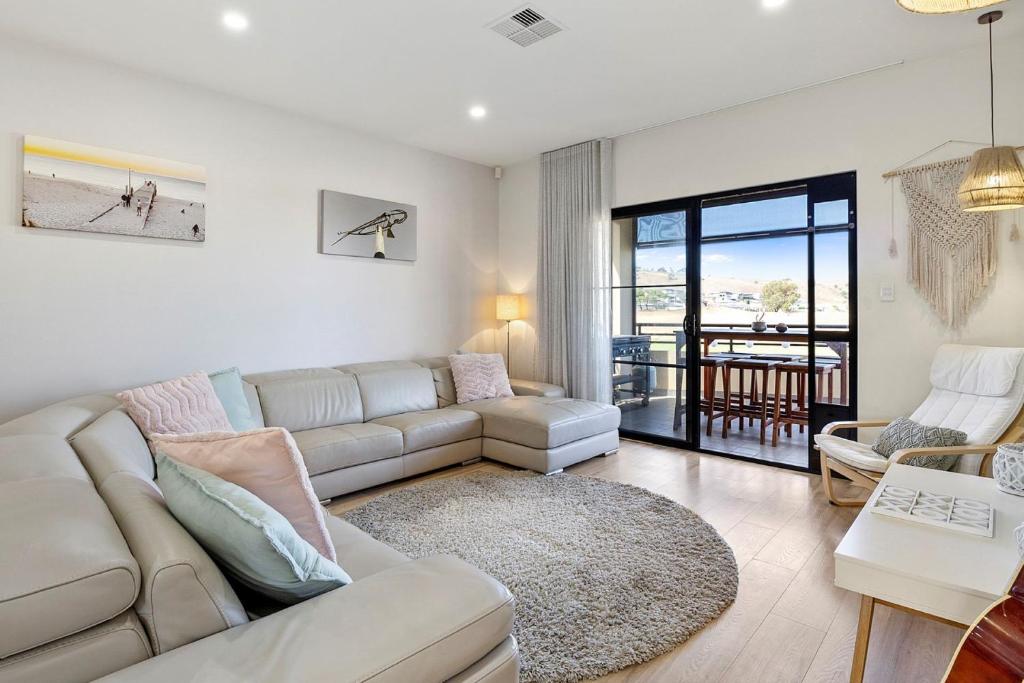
[978, 390]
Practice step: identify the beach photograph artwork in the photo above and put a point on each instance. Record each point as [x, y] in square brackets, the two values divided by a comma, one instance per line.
[71, 186]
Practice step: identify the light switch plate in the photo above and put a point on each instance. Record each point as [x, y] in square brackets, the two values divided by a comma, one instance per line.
[887, 292]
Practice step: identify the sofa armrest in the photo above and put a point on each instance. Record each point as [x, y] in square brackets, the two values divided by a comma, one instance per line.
[529, 387]
[425, 620]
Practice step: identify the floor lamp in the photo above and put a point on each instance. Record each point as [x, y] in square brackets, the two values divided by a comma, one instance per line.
[509, 309]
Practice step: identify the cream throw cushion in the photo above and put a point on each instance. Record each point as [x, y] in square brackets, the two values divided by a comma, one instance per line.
[178, 406]
[478, 376]
[264, 462]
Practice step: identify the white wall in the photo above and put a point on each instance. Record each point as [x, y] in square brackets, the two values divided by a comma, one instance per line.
[82, 313]
[869, 124]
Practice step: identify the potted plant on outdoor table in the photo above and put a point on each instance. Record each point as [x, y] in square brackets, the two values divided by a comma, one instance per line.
[759, 325]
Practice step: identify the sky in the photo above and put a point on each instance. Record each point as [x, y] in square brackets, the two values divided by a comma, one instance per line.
[111, 158]
[762, 259]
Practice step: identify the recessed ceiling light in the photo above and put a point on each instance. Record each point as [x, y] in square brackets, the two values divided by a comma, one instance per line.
[235, 21]
[477, 112]
[772, 4]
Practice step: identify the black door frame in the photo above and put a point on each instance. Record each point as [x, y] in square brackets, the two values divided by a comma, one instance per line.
[817, 189]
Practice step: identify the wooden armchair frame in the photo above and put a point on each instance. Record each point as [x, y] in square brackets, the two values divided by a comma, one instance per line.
[869, 480]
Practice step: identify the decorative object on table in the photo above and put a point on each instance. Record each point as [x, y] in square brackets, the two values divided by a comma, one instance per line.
[351, 225]
[70, 186]
[948, 512]
[994, 180]
[478, 376]
[617, 558]
[1018, 535]
[781, 327]
[759, 325]
[945, 6]
[1008, 468]
[905, 433]
[509, 308]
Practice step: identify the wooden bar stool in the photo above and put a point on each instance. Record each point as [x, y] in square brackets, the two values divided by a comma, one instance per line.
[712, 407]
[743, 406]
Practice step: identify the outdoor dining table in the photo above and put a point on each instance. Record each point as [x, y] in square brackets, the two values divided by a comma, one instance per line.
[771, 335]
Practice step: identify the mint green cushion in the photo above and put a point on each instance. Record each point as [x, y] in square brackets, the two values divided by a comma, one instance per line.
[254, 542]
[227, 384]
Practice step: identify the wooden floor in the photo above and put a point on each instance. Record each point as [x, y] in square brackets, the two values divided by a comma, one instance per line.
[789, 622]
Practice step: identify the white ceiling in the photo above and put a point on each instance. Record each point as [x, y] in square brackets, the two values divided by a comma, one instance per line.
[408, 70]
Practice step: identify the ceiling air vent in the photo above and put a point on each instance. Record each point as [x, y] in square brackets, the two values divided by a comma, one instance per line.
[525, 26]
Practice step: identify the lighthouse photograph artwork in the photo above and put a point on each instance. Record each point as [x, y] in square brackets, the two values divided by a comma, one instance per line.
[351, 225]
[73, 186]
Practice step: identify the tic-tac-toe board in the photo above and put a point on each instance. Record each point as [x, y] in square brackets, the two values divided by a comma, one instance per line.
[948, 512]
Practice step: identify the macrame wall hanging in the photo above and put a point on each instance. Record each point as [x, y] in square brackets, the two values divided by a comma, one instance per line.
[951, 254]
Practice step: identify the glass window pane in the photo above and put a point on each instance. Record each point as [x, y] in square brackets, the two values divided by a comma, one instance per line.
[741, 280]
[832, 280]
[832, 213]
[661, 265]
[661, 228]
[777, 213]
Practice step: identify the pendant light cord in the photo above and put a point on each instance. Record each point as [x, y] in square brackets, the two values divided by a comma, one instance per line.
[991, 87]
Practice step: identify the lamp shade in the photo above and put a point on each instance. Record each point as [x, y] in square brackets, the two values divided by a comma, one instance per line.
[944, 6]
[994, 181]
[509, 307]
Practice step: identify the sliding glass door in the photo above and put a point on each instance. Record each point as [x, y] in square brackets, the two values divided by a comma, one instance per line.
[734, 318]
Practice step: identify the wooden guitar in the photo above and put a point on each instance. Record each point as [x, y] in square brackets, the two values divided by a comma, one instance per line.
[992, 650]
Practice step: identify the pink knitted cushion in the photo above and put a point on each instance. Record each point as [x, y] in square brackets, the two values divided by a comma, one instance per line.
[479, 375]
[264, 462]
[178, 406]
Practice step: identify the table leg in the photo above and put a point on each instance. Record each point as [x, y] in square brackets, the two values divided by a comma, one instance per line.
[860, 649]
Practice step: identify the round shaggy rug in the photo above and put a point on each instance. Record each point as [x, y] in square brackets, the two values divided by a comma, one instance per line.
[605, 575]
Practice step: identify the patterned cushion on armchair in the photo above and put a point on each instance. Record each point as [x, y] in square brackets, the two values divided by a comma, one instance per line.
[905, 433]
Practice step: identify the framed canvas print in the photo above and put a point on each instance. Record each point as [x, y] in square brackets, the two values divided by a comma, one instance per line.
[351, 225]
[70, 186]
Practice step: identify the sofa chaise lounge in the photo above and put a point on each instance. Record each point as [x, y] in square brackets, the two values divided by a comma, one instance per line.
[100, 579]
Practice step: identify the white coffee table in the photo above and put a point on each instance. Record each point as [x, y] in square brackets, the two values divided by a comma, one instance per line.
[943, 575]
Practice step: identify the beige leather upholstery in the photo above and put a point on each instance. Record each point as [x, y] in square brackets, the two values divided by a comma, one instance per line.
[444, 382]
[529, 387]
[332, 448]
[360, 554]
[349, 479]
[440, 456]
[544, 422]
[429, 428]
[547, 460]
[61, 419]
[390, 392]
[184, 595]
[376, 366]
[324, 398]
[501, 665]
[252, 396]
[94, 652]
[65, 565]
[426, 620]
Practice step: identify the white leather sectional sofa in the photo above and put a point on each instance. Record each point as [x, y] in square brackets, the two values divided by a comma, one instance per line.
[99, 579]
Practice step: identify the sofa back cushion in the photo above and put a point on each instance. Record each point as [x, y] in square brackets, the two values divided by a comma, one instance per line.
[184, 596]
[308, 399]
[65, 565]
[401, 390]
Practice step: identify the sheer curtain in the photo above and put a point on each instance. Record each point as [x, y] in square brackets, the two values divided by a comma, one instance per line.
[574, 266]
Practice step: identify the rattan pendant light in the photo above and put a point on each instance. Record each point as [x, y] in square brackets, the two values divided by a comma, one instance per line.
[944, 6]
[994, 180]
